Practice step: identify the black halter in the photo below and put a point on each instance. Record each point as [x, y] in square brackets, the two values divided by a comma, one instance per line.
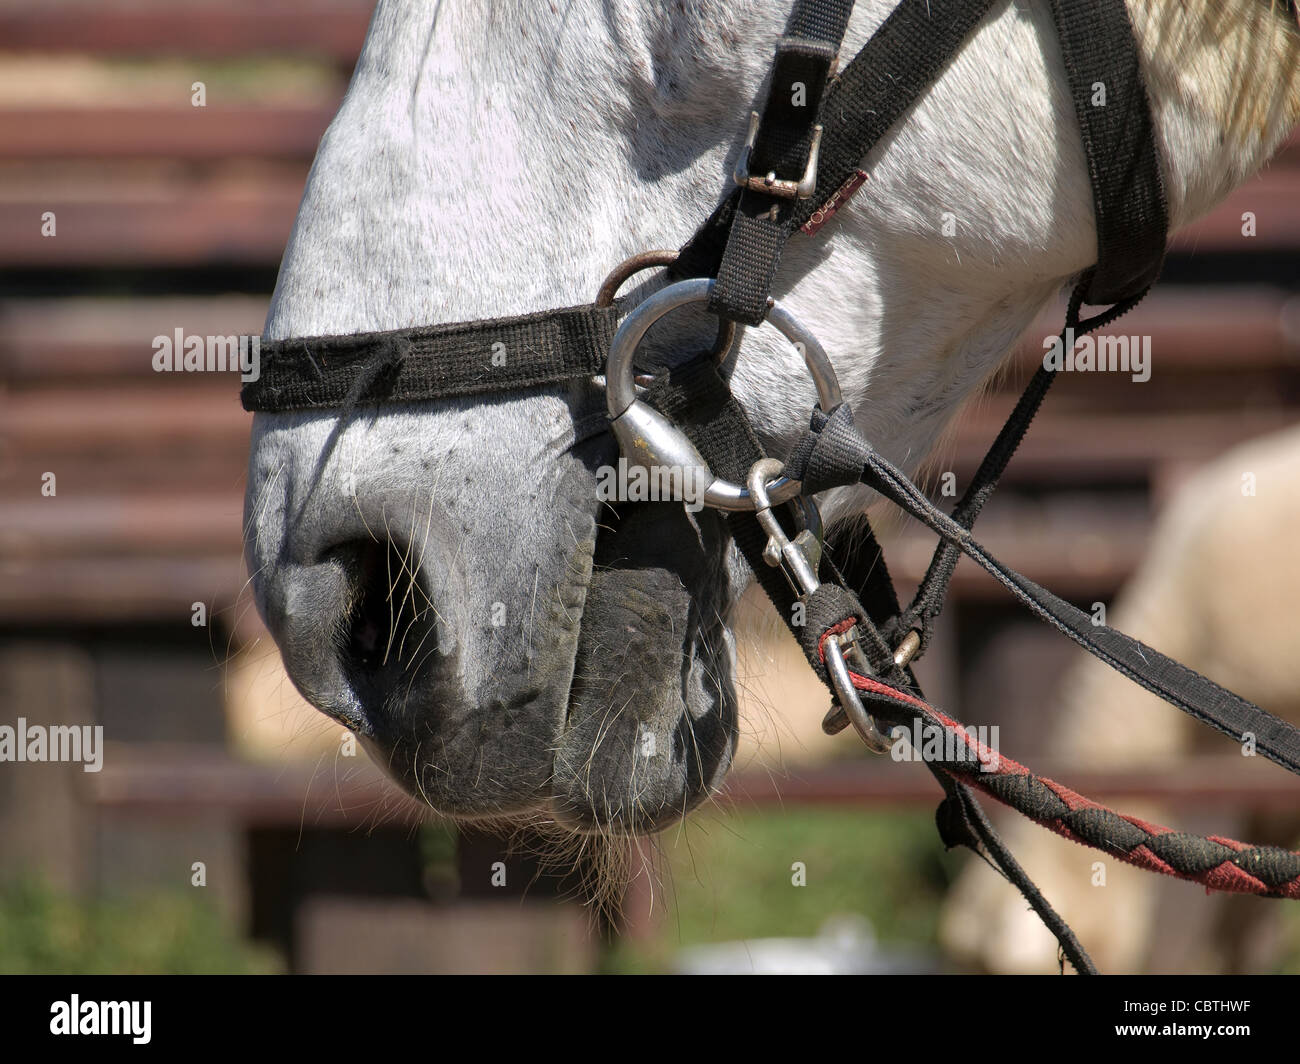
[800, 163]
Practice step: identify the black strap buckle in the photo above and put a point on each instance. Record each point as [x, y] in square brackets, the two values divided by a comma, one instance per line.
[769, 182]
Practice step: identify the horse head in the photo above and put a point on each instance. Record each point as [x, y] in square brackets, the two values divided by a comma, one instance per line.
[443, 576]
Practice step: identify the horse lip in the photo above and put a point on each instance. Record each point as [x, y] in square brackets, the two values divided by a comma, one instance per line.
[390, 744]
[576, 825]
[647, 672]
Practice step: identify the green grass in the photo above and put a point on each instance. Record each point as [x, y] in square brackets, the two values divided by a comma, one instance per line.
[729, 877]
[45, 932]
[1289, 936]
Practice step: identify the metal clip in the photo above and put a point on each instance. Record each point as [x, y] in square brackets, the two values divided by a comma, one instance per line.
[840, 650]
[907, 649]
[800, 558]
[648, 439]
[836, 719]
[770, 183]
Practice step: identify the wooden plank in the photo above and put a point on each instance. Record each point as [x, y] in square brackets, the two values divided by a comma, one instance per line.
[333, 29]
[155, 526]
[76, 338]
[46, 826]
[97, 475]
[190, 227]
[175, 781]
[196, 134]
[1061, 447]
[1271, 198]
[117, 590]
[184, 436]
[181, 409]
[1215, 327]
[1090, 557]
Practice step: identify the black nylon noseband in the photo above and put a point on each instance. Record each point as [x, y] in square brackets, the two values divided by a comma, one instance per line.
[435, 361]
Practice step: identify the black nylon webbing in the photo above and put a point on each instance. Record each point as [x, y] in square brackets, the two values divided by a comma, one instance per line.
[900, 61]
[697, 399]
[819, 20]
[434, 361]
[886, 78]
[804, 57]
[1110, 101]
[962, 808]
[928, 602]
[843, 456]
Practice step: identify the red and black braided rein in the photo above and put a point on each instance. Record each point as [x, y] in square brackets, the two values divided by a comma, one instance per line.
[1215, 862]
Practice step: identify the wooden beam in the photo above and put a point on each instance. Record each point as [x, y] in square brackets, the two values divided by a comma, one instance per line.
[194, 226]
[333, 29]
[93, 589]
[195, 134]
[180, 781]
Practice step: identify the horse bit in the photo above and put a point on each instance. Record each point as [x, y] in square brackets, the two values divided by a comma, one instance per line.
[649, 439]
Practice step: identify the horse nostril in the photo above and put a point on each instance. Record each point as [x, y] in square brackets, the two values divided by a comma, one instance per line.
[372, 600]
[389, 631]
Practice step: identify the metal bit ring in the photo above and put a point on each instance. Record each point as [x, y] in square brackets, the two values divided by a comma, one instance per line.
[648, 260]
[648, 439]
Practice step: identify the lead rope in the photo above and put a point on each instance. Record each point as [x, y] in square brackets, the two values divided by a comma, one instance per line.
[962, 822]
[1215, 862]
[741, 246]
[699, 401]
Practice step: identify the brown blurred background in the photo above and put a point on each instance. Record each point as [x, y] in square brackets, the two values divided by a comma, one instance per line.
[168, 215]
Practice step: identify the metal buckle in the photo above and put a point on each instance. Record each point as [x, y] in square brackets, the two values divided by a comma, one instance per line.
[836, 719]
[648, 439]
[770, 183]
